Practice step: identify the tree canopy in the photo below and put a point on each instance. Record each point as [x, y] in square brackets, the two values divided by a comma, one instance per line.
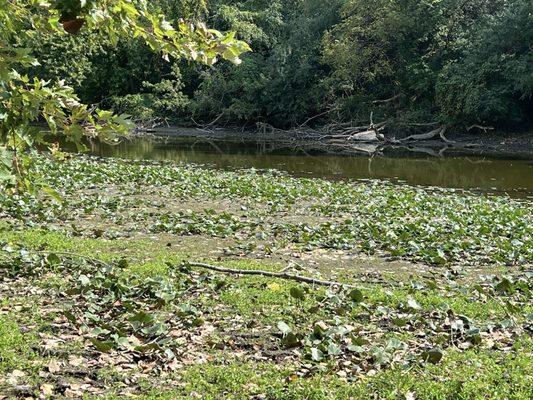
[410, 62]
[451, 62]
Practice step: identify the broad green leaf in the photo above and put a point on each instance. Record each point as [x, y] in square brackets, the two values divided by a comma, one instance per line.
[103, 346]
[433, 355]
[356, 295]
[297, 292]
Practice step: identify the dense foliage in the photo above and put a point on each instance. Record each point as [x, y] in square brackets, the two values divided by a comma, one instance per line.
[453, 62]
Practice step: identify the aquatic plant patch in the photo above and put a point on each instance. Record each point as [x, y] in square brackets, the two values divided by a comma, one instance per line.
[435, 226]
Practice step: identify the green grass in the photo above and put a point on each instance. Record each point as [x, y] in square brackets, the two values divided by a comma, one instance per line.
[476, 373]
[245, 295]
[468, 375]
[14, 346]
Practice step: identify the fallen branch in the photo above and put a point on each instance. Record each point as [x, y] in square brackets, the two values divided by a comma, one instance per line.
[430, 135]
[206, 126]
[424, 136]
[281, 275]
[441, 134]
[480, 127]
[422, 123]
[369, 136]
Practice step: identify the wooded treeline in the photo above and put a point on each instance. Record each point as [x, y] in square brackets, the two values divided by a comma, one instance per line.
[411, 62]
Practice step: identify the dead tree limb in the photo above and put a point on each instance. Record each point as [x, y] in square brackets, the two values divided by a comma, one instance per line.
[441, 134]
[480, 127]
[429, 135]
[281, 275]
[315, 116]
[214, 121]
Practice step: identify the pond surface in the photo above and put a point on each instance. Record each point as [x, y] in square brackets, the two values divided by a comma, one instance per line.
[494, 174]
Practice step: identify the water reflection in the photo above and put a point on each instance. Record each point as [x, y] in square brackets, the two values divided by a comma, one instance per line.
[471, 172]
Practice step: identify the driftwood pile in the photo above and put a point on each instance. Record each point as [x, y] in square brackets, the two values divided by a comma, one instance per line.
[333, 138]
[347, 138]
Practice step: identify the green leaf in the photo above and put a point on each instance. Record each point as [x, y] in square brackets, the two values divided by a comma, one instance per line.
[291, 340]
[380, 356]
[356, 295]
[433, 355]
[141, 317]
[359, 341]
[84, 280]
[334, 350]
[52, 259]
[413, 304]
[505, 286]
[400, 322]
[70, 316]
[316, 354]
[319, 329]
[169, 354]
[147, 347]
[123, 263]
[121, 341]
[103, 346]
[473, 335]
[297, 292]
[355, 349]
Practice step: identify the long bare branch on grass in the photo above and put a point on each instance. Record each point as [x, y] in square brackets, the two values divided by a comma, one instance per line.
[281, 275]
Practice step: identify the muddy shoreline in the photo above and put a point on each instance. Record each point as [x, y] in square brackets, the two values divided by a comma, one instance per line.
[516, 145]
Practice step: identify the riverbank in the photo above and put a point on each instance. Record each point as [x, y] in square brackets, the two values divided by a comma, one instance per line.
[426, 167]
[101, 297]
[518, 145]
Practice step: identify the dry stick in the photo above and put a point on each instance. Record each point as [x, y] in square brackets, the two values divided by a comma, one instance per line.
[315, 116]
[483, 128]
[441, 134]
[282, 275]
[424, 136]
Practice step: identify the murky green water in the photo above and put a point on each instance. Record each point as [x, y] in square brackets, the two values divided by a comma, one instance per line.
[470, 172]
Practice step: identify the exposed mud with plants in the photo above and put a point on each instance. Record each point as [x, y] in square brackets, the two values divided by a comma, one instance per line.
[100, 295]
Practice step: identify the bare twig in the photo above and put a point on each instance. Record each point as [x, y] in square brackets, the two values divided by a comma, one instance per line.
[315, 116]
[441, 134]
[483, 128]
[386, 100]
[429, 135]
[281, 275]
[214, 121]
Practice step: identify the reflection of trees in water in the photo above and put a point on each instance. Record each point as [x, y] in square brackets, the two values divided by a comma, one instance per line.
[460, 172]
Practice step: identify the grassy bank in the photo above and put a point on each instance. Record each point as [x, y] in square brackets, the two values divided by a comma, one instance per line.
[98, 298]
